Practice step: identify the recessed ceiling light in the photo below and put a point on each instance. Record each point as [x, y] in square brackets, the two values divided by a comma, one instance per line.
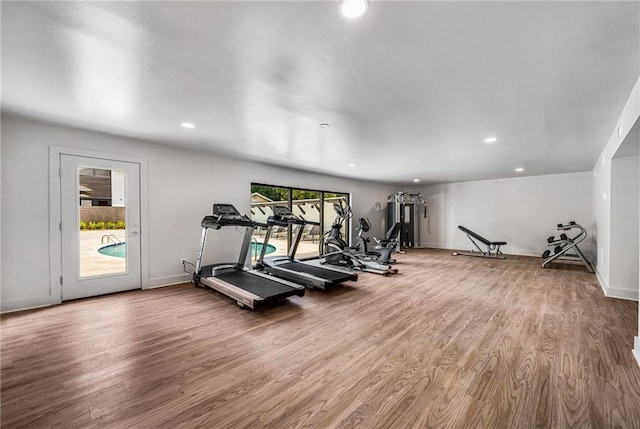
[324, 125]
[353, 8]
[416, 180]
[352, 165]
[519, 170]
[187, 125]
[491, 139]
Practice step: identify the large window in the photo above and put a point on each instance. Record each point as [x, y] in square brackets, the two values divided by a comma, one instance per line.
[313, 205]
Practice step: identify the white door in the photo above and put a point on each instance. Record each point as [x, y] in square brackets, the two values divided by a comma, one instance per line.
[100, 212]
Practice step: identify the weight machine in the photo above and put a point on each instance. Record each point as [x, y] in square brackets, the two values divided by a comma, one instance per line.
[406, 208]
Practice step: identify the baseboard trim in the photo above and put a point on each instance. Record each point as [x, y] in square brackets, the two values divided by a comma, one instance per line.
[168, 281]
[630, 295]
[464, 248]
[636, 350]
[612, 292]
[432, 246]
[23, 304]
[603, 285]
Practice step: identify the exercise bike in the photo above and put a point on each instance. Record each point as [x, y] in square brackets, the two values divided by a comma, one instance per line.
[335, 251]
[382, 251]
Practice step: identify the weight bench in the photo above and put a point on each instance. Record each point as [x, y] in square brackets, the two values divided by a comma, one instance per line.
[493, 247]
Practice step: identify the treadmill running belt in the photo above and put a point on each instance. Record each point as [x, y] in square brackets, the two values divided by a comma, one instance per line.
[264, 288]
[316, 271]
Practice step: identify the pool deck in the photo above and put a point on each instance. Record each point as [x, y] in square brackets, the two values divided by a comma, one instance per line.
[93, 263]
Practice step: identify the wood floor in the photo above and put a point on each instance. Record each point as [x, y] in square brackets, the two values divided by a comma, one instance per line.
[450, 342]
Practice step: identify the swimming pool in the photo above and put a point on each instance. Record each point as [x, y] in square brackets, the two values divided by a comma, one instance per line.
[118, 250]
[258, 249]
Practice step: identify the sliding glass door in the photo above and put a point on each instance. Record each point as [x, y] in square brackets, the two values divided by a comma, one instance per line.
[313, 205]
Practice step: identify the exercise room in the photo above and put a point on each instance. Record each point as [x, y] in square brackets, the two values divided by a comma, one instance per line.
[320, 214]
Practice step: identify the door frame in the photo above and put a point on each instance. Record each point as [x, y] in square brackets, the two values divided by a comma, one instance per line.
[55, 235]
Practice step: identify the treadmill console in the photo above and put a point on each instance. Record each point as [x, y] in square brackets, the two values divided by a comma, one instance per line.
[227, 210]
[223, 215]
[282, 211]
[282, 216]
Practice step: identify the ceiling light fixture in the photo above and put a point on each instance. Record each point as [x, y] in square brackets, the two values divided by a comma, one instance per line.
[519, 170]
[324, 125]
[188, 125]
[352, 165]
[416, 180]
[491, 139]
[353, 8]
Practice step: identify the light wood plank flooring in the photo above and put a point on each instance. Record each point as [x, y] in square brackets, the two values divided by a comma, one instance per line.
[450, 342]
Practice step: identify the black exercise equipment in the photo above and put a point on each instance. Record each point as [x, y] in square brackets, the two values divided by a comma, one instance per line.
[287, 267]
[564, 244]
[382, 251]
[335, 251]
[406, 208]
[391, 238]
[493, 247]
[248, 287]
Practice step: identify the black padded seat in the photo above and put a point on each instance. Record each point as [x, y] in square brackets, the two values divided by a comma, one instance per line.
[493, 247]
[481, 238]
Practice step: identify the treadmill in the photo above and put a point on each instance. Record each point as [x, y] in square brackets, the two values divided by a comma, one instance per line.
[250, 288]
[287, 267]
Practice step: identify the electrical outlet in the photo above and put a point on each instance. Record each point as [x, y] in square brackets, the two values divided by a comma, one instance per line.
[182, 261]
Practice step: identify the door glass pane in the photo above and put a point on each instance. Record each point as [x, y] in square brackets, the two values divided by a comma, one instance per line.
[263, 199]
[331, 198]
[102, 214]
[306, 204]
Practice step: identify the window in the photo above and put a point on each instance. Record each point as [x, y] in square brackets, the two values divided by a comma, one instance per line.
[313, 205]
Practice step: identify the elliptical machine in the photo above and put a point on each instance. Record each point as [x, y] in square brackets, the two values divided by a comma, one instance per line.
[335, 251]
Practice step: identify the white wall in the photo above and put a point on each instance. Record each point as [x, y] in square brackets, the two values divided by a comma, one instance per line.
[182, 187]
[602, 190]
[625, 211]
[522, 211]
[636, 347]
[1, 192]
[601, 198]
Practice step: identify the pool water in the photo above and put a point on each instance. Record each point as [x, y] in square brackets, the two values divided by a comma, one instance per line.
[116, 250]
[258, 249]
[120, 250]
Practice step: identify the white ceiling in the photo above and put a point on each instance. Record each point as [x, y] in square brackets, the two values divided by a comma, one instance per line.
[409, 90]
